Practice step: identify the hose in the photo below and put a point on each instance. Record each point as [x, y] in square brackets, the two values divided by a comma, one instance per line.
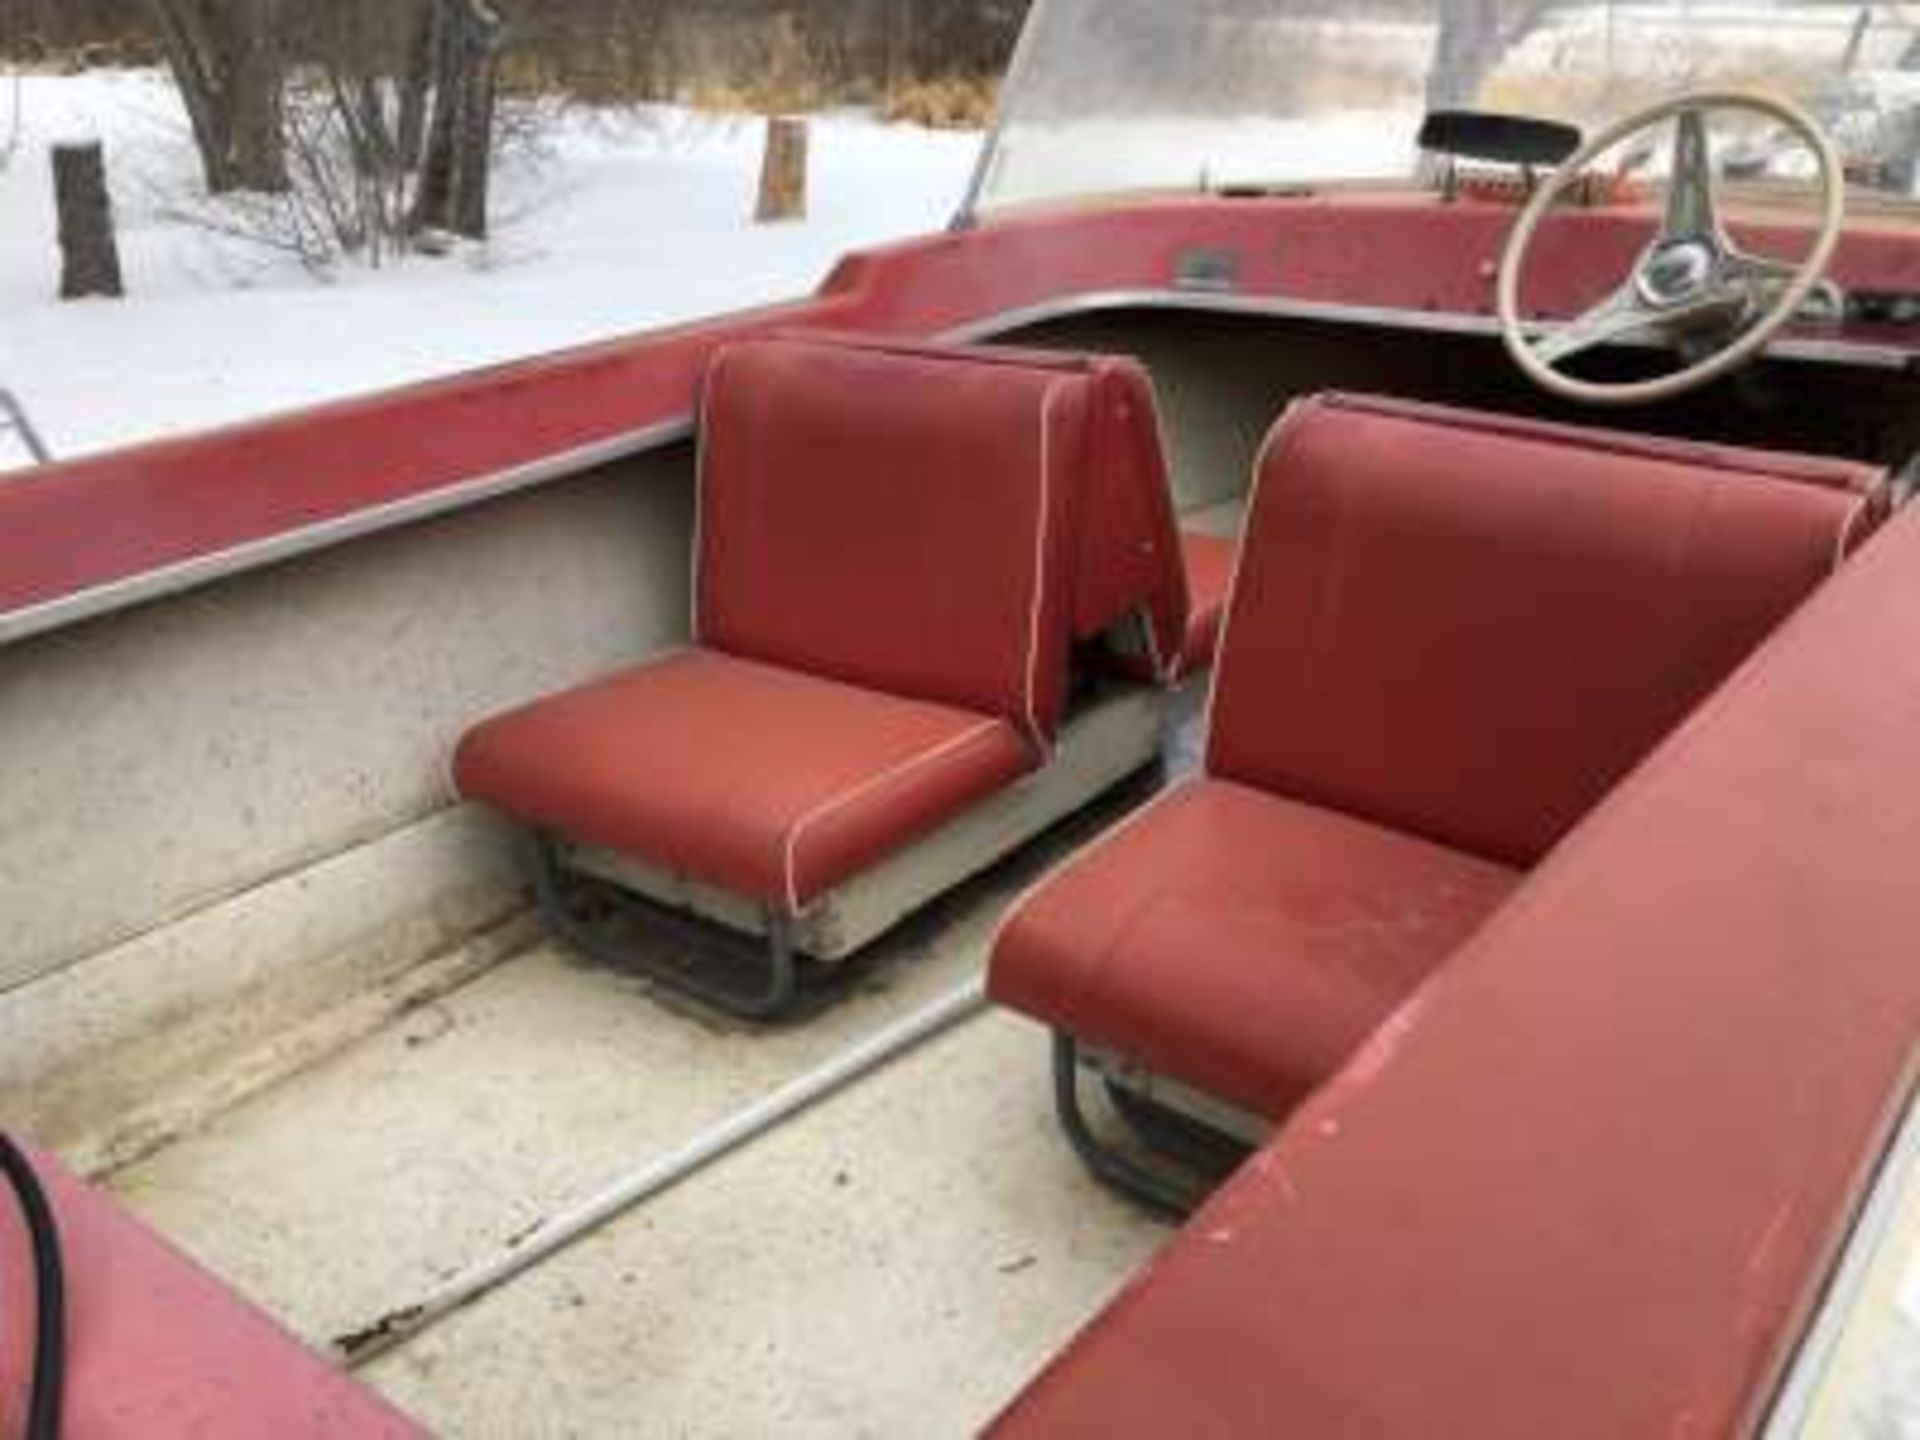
[50, 1338]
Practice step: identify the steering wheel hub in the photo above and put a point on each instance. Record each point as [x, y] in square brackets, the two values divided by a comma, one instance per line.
[1676, 272]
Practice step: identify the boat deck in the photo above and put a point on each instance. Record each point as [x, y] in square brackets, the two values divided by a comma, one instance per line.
[898, 1260]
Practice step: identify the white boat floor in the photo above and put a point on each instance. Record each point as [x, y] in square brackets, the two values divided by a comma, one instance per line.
[896, 1261]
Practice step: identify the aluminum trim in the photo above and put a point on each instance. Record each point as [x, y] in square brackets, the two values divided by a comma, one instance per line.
[239, 559]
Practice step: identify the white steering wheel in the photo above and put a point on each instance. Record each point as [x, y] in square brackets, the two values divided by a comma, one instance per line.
[1692, 282]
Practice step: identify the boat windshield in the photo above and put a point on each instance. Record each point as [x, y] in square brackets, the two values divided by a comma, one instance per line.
[1118, 95]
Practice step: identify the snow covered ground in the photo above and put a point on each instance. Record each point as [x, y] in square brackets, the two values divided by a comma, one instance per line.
[617, 223]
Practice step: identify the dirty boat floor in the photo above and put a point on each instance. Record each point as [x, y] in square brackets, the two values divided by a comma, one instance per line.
[898, 1260]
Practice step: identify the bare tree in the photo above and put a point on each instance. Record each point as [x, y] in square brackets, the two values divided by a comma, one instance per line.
[227, 58]
[1473, 36]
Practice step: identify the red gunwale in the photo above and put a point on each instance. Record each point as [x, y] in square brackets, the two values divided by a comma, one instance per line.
[93, 534]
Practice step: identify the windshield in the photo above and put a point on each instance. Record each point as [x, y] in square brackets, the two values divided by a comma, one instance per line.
[1110, 95]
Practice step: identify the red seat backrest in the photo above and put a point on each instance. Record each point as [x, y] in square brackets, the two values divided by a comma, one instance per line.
[1470, 627]
[896, 523]
[1126, 552]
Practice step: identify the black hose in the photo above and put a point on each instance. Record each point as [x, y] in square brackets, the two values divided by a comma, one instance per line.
[50, 1336]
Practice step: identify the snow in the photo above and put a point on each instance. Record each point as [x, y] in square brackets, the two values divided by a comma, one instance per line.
[615, 223]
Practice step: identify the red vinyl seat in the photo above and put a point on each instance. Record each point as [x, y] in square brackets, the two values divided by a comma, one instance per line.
[1451, 635]
[158, 1347]
[885, 599]
[1595, 1180]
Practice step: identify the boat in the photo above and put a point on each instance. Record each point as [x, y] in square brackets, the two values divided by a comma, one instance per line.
[1269, 789]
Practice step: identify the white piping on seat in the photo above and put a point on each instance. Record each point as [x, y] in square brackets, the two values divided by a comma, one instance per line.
[1037, 611]
[860, 791]
[1256, 493]
[700, 433]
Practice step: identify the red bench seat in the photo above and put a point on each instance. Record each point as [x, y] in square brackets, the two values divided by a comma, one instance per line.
[1592, 1182]
[1451, 635]
[899, 551]
[881, 628]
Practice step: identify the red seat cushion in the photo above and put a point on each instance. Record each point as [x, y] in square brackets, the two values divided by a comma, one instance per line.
[1208, 561]
[763, 781]
[898, 523]
[1470, 627]
[157, 1347]
[1239, 942]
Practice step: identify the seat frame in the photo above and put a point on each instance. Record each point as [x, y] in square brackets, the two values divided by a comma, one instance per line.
[770, 961]
[1191, 1150]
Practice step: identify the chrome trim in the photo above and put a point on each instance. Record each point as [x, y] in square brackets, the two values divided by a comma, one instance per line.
[222, 564]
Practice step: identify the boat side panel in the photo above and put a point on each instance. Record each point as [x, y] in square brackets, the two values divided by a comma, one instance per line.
[178, 765]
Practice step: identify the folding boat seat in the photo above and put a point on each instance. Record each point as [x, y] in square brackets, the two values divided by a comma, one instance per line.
[154, 1346]
[1129, 582]
[890, 567]
[1135, 561]
[1451, 635]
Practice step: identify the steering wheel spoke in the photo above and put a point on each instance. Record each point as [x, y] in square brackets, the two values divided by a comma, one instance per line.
[1691, 213]
[1763, 279]
[1617, 317]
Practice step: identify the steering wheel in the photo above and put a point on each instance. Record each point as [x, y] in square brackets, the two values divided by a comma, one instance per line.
[1692, 283]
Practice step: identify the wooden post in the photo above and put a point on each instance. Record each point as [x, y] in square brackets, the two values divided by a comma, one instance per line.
[89, 255]
[452, 192]
[473, 140]
[783, 174]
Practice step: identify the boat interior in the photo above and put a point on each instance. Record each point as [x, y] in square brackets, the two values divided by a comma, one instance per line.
[1145, 848]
